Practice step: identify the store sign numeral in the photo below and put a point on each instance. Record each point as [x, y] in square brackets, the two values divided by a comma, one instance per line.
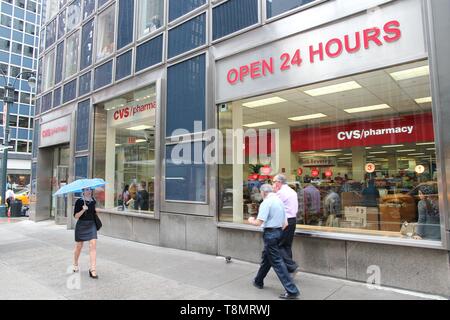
[287, 62]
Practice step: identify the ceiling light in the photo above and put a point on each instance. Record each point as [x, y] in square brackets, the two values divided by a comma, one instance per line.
[344, 158]
[259, 124]
[415, 154]
[431, 149]
[308, 117]
[368, 148]
[407, 150]
[347, 154]
[307, 152]
[118, 144]
[394, 146]
[377, 152]
[368, 108]
[141, 140]
[336, 150]
[423, 100]
[333, 88]
[141, 127]
[263, 102]
[411, 73]
[424, 143]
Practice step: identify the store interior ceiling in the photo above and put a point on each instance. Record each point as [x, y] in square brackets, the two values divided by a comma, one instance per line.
[395, 91]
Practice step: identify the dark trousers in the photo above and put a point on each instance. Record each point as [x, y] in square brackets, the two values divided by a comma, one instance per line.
[271, 257]
[287, 237]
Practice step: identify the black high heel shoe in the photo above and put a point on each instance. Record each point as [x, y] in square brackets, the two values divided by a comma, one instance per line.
[91, 275]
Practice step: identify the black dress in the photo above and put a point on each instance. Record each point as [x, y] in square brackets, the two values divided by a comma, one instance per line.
[85, 228]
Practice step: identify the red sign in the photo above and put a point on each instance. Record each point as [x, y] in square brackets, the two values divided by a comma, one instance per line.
[331, 48]
[259, 144]
[52, 131]
[403, 129]
[299, 171]
[370, 168]
[315, 172]
[131, 111]
[328, 173]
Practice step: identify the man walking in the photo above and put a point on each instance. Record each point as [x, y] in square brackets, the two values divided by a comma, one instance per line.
[290, 201]
[272, 215]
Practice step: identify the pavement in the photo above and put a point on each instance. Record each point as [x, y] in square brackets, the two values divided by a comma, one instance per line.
[36, 259]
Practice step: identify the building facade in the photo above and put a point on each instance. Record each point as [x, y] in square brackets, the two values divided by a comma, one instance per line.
[19, 42]
[348, 99]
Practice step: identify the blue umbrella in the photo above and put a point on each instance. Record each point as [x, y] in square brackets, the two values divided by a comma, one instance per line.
[79, 185]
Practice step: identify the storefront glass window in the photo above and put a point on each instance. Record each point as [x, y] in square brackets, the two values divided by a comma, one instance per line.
[178, 8]
[151, 16]
[125, 23]
[234, 15]
[124, 150]
[359, 151]
[187, 36]
[276, 7]
[71, 56]
[105, 33]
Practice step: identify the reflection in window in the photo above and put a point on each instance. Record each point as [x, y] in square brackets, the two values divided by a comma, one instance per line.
[49, 67]
[87, 35]
[52, 7]
[59, 62]
[234, 15]
[61, 24]
[85, 84]
[123, 65]
[105, 33]
[151, 16]
[178, 8]
[276, 7]
[359, 152]
[88, 8]
[125, 23]
[128, 142]
[57, 97]
[70, 91]
[50, 34]
[149, 53]
[71, 57]
[103, 75]
[187, 36]
[73, 15]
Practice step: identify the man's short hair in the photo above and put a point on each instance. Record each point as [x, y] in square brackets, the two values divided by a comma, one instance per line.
[281, 178]
[266, 188]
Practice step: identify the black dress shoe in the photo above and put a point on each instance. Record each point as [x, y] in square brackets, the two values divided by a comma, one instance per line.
[259, 286]
[289, 296]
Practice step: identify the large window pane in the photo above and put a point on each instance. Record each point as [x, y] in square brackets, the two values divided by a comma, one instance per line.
[50, 34]
[149, 53]
[103, 75]
[59, 62]
[57, 97]
[186, 95]
[123, 65]
[359, 152]
[88, 8]
[70, 91]
[125, 23]
[234, 15]
[71, 59]
[177, 8]
[82, 134]
[124, 151]
[81, 168]
[51, 9]
[187, 36]
[276, 7]
[150, 16]
[85, 84]
[87, 36]
[49, 70]
[61, 24]
[73, 15]
[105, 33]
[185, 182]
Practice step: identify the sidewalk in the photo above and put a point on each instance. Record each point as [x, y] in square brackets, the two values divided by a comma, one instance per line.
[35, 263]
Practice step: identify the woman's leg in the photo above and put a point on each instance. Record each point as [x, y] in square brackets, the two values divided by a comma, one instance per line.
[77, 252]
[93, 254]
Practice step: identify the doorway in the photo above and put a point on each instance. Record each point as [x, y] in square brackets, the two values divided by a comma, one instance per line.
[60, 175]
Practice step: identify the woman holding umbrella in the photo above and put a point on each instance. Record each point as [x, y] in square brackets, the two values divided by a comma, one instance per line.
[86, 230]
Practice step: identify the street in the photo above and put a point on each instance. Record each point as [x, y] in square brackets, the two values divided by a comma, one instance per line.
[36, 258]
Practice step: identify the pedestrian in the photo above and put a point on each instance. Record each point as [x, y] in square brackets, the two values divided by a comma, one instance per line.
[290, 201]
[86, 230]
[125, 196]
[273, 218]
[10, 197]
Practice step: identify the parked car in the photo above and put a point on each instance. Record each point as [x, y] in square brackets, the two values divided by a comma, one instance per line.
[24, 196]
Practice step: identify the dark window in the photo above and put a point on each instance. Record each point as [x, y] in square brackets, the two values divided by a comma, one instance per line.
[28, 51]
[25, 98]
[185, 182]
[81, 167]
[187, 36]
[16, 48]
[23, 122]
[87, 34]
[12, 120]
[83, 125]
[14, 71]
[61, 24]
[103, 75]
[233, 16]
[123, 65]
[178, 8]
[126, 23]
[88, 8]
[5, 44]
[31, 6]
[18, 24]
[57, 97]
[5, 21]
[85, 84]
[59, 62]
[46, 102]
[21, 146]
[186, 95]
[50, 36]
[70, 91]
[149, 53]
[276, 7]
[30, 28]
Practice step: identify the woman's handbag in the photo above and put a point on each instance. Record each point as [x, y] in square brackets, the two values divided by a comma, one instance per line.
[98, 222]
